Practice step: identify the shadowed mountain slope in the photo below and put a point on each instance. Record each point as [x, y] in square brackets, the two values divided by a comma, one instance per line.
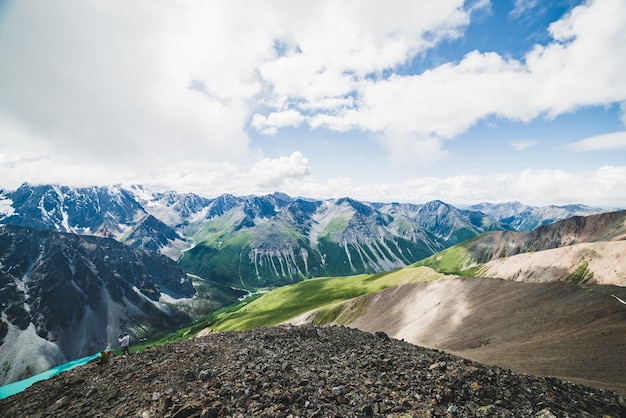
[65, 296]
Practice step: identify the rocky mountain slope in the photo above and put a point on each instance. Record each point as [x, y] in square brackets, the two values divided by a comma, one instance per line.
[590, 262]
[554, 314]
[304, 372]
[65, 296]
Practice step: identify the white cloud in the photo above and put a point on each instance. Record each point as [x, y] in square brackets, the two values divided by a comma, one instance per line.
[522, 145]
[269, 125]
[110, 81]
[275, 172]
[605, 187]
[522, 6]
[606, 142]
[144, 84]
[582, 67]
[164, 92]
[447, 100]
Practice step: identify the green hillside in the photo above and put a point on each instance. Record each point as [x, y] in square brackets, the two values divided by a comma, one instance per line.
[290, 301]
[454, 260]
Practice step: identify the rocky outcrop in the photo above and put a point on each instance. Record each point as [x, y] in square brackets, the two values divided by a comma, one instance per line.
[304, 372]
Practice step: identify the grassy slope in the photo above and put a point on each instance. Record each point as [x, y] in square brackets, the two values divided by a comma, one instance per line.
[288, 302]
[453, 260]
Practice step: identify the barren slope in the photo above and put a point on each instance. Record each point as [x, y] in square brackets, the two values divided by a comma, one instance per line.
[597, 262]
[575, 332]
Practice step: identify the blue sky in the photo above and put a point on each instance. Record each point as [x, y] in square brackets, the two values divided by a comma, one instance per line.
[408, 101]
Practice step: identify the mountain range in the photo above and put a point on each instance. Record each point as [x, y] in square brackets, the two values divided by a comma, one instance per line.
[579, 249]
[79, 265]
[255, 242]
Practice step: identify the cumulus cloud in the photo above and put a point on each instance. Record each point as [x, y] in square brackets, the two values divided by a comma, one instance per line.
[275, 172]
[269, 125]
[143, 84]
[170, 91]
[582, 66]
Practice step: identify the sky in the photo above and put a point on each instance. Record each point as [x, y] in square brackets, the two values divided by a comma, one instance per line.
[385, 101]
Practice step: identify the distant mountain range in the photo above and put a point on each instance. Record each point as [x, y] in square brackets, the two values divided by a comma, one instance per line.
[254, 242]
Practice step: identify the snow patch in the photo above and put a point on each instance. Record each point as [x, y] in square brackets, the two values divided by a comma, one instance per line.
[6, 207]
[165, 298]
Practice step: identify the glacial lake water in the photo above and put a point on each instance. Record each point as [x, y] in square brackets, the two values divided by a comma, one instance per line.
[17, 387]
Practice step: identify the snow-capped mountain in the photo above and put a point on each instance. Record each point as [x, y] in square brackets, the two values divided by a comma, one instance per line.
[111, 212]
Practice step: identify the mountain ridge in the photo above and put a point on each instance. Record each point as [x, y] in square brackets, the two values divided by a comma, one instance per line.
[481, 254]
[269, 240]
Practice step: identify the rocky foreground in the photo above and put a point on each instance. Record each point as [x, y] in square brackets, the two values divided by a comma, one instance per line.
[303, 372]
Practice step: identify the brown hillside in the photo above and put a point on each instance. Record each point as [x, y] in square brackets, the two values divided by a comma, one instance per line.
[574, 332]
[594, 262]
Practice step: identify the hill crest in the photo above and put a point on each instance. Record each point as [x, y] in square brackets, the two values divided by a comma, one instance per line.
[303, 371]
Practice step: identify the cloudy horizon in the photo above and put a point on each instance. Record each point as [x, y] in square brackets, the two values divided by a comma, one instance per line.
[409, 101]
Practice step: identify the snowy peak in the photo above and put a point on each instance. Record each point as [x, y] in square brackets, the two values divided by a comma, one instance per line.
[110, 212]
[86, 211]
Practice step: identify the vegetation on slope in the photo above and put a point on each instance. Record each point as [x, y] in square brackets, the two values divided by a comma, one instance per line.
[453, 260]
[288, 302]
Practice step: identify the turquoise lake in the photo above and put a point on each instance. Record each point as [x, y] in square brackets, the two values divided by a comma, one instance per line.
[17, 387]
